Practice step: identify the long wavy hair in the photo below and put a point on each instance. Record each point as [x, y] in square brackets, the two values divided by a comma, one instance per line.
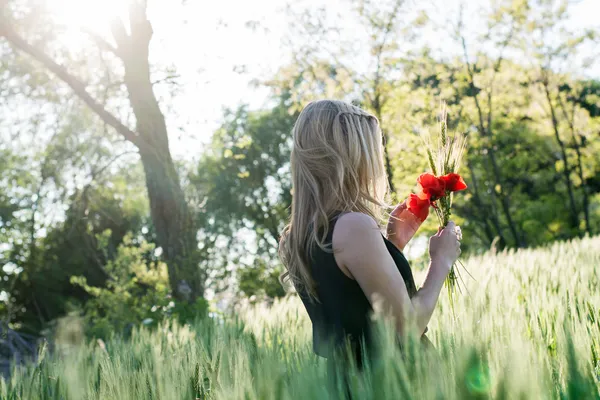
[337, 165]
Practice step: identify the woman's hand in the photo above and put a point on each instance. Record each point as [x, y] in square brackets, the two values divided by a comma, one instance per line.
[402, 226]
[444, 247]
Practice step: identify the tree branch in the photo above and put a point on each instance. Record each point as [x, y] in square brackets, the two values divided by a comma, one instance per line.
[74, 83]
[102, 43]
[120, 35]
[140, 27]
[171, 78]
[98, 171]
[497, 66]
[470, 71]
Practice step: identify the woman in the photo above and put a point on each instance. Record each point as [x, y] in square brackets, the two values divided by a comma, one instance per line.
[333, 249]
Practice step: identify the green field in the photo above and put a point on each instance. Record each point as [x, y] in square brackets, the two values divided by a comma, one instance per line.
[530, 329]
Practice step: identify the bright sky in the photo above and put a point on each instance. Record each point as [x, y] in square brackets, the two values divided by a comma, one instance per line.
[208, 41]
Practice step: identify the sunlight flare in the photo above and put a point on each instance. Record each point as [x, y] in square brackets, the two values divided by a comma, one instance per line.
[88, 16]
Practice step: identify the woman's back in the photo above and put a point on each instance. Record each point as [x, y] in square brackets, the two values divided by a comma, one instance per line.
[342, 310]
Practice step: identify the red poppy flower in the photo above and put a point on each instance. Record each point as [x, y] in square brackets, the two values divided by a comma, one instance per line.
[431, 187]
[418, 206]
[453, 182]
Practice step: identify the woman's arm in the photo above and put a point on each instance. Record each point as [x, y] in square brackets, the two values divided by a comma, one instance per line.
[360, 250]
[427, 296]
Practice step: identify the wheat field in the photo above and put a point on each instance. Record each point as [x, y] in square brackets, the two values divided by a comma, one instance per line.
[528, 329]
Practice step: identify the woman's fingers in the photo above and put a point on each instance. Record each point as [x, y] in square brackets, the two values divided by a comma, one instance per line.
[458, 233]
[400, 208]
[449, 229]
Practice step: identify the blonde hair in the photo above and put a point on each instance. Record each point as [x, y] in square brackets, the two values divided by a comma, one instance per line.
[337, 165]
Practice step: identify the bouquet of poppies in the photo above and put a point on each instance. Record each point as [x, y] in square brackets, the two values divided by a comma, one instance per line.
[436, 189]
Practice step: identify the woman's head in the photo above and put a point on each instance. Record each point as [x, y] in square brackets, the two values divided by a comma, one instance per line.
[337, 165]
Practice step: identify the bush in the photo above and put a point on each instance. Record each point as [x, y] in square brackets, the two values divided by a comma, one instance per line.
[137, 292]
[260, 281]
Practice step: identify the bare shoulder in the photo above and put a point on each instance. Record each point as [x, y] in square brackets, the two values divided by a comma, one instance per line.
[352, 229]
[359, 248]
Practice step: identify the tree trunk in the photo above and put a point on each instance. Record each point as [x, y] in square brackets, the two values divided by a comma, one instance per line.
[485, 215]
[584, 189]
[577, 147]
[504, 200]
[174, 224]
[388, 165]
[566, 169]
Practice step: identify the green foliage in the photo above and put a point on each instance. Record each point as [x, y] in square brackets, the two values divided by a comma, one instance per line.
[242, 176]
[524, 147]
[243, 184]
[95, 224]
[526, 331]
[136, 292]
[259, 280]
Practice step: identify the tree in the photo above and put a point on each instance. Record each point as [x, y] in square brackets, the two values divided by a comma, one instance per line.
[171, 215]
[243, 179]
[551, 60]
[574, 107]
[482, 90]
[387, 26]
[315, 69]
[524, 148]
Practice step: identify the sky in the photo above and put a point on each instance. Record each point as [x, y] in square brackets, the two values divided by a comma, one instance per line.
[217, 54]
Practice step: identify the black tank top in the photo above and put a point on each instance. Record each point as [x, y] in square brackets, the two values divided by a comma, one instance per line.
[342, 314]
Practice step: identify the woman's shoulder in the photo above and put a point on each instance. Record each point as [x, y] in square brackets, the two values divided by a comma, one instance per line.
[352, 228]
[356, 220]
